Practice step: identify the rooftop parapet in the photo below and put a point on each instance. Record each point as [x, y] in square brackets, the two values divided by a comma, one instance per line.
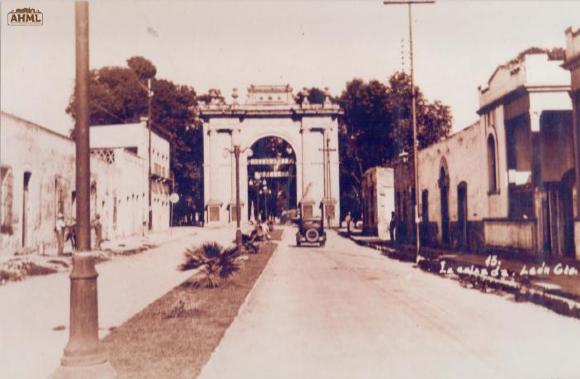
[572, 48]
[534, 68]
[267, 100]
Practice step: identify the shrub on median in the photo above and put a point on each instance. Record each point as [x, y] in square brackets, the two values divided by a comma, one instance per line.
[215, 263]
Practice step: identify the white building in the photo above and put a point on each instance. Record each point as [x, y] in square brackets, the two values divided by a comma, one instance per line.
[378, 195]
[37, 181]
[134, 139]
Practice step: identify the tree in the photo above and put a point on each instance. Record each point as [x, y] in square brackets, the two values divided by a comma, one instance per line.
[142, 67]
[211, 95]
[314, 95]
[376, 128]
[118, 95]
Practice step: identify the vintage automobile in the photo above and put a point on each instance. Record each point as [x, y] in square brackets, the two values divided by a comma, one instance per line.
[310, 231]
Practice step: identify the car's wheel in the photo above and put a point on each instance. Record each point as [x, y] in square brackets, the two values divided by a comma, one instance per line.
[312, 235]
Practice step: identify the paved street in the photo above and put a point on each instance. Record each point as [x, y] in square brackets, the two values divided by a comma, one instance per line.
[30, 348]
[346, 312]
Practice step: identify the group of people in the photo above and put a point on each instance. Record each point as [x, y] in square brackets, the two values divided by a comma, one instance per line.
[67, 232]
[261, 232]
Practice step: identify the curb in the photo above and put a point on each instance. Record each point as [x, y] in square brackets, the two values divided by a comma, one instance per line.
[564, 305]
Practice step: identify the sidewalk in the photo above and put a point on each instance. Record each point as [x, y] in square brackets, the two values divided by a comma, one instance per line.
[551, 282]
[35, 312]
[21, 267]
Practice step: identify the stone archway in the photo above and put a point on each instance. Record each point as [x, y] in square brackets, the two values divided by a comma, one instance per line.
[270, 111]
[462, 216]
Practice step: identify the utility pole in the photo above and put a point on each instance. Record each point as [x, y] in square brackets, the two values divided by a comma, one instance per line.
[327, 199]
[84, 356]
[237, 151]
[149, 151]
[238, 208]
[409, 3]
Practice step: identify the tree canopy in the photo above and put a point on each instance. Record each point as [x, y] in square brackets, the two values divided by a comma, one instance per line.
[118, 95]
[314, 95]
[376, 128]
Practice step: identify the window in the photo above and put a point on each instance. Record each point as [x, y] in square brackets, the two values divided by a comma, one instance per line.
[6, 189]
[491, 165]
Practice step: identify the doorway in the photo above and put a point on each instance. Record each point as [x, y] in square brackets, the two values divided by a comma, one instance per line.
[444, 194]
[565, 215]
[25, 207]
[462, 214]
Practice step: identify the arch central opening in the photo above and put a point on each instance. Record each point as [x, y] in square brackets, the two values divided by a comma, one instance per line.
[272, 185]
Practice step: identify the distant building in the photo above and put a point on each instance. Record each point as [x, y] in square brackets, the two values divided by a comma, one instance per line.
[404, 196]
[378, 194]
[37, 181]
[134, 139]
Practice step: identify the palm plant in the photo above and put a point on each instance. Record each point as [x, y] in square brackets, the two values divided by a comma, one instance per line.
[214, 261]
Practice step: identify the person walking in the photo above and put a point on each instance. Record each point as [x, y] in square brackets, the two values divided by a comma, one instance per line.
[59, 230]
[348, 220]
[393, 226]
[72, 233]
[98, 231]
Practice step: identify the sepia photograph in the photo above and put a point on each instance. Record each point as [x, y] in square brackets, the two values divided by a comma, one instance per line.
[283, 189]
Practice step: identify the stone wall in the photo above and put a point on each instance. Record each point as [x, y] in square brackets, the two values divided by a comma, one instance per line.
[46, 159]
[462, 157]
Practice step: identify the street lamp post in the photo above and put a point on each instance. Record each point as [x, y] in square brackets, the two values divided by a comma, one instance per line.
[327, 197]
[266, 191]
[409, 3]
[237, 151]
[256, 184]
[84, 356]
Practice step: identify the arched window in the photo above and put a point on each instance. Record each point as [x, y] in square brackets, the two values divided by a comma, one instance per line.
[491, 164]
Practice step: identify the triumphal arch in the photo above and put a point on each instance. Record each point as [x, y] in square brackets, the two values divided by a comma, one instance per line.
[288, 162]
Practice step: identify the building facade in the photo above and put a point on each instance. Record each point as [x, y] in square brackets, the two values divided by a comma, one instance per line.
[37, 182]
[377, 192]
[507, 181]
[526, 114]
[310, 134]
[572, 64]
[133, 139]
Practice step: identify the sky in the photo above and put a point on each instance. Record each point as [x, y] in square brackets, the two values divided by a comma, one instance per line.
[226, 45]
